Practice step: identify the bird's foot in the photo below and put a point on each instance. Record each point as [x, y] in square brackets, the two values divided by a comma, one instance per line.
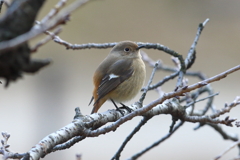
[126, 107]
[117, 108]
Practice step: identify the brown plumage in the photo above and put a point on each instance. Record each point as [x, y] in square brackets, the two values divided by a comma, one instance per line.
[120, 76]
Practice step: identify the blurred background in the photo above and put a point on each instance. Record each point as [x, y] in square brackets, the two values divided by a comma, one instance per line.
[40, 104]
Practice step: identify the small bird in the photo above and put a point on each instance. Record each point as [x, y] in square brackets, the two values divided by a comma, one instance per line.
[120, 76]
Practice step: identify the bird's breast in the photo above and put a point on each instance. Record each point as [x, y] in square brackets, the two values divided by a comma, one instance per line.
[131, 87]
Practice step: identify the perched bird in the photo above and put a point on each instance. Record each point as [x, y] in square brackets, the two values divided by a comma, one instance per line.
[120, 76]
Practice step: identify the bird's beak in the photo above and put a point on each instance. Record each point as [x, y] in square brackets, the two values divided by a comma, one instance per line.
[140, 46]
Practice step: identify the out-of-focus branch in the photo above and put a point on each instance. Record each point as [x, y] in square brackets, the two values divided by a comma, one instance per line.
[15, 61]
[1, 3]
[54, 11]
[237, 124]
[6, 2]
[157, 142]
[223, 133]
[4, 150]
[46, 39]
[59, 18]
[228, 149]
[199, 100]
[129, 137]
[15, 53]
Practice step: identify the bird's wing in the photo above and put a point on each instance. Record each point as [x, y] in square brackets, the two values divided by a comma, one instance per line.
[117, 73]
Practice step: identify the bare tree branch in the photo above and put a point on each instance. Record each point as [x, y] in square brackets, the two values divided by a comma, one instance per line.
[228, 149]
[129, 137]
[223, 133]
[191, 54]
[93, 125]
[79, 127]
[46, 39]
[215, 94]
[4, 150]
[157, 142]
[54, 11]
[68, 144]
[149, 83]
[59, 18]
[154, 103]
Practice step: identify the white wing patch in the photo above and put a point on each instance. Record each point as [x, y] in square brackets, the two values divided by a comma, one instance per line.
[111, 76]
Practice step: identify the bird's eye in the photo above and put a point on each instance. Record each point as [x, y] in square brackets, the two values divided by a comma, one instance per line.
[126, 49]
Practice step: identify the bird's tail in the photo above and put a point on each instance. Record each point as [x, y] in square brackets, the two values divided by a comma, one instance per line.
[97, 104]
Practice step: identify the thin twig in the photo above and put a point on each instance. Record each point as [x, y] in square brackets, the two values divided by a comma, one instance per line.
[188, 61]
[4, 150]
[227, 107]
[54, 11]
[129, 137]
[166, 50]
[213, 117]
[228, 149]
[68, 45]
[164, 80]
[46, 39]
[215, 94]
[149, 83]
[224, 134]
[108, 45]
[157, 142]
[237, 124]
[196, 94]
[209, 102]
[191, 54]
[191, 58]
[159, 91]
[163, 67]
